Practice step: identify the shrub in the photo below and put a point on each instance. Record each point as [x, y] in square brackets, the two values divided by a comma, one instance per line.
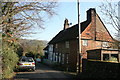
[10, 59]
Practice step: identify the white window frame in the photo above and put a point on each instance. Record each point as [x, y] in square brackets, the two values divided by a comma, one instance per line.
[59, 57]
[105, 44]
[56, 45]
[67, 44]
[56, 57]
[85, 42]
[63, 57]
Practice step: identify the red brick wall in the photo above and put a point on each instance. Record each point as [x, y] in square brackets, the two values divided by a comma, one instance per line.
[71, 51]
[91, 45]
[73, 54]
[101, 31]
[95, 33]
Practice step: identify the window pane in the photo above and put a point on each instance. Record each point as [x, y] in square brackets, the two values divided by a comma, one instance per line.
[67, 44]
[56, 46]
[105, 44]
[85, 42]
[105, 56]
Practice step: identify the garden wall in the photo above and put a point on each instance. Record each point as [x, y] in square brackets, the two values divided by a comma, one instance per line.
[95, 69]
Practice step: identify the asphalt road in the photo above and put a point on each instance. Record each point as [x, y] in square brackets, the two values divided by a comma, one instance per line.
[44, 72]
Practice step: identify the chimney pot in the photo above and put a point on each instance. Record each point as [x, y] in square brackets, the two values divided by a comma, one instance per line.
[66, 24]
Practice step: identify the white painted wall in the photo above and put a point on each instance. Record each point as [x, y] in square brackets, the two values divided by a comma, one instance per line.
[50, 50]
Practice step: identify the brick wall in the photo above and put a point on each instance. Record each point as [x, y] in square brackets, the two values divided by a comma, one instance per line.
[96, 33]
[98, 69]
[101, 31]
[95, 54]
[71, 52]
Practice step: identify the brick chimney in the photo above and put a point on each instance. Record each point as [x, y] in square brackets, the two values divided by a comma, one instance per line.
[91, 13]
[91, 17]
[66, 24]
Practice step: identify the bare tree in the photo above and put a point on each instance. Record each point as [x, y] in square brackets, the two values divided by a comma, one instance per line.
[111, 15]
[16, 19]
[19, 17]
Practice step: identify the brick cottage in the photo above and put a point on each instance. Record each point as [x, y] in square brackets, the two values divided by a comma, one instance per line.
[96, 43]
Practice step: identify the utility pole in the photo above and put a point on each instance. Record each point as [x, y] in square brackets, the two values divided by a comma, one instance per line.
[79, 65]
[119, 20]
[119, 30]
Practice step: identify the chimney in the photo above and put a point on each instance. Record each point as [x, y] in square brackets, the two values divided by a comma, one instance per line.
[91, 13]
[66, 24]
[91, 17]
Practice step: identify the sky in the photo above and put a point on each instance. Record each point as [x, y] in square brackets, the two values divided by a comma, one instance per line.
[66, 10]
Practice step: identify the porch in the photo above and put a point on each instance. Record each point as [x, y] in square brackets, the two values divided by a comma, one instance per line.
[104, 55]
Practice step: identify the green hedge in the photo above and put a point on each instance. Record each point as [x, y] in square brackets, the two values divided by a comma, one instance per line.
[10, 58]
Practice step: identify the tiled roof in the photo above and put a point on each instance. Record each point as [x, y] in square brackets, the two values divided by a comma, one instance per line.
[69, 33]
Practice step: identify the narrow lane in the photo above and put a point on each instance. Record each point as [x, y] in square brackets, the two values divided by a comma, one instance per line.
[43, 72]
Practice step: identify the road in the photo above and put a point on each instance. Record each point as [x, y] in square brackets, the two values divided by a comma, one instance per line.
[44, 72]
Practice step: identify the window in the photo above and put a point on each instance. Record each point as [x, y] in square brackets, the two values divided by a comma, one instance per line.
[59, 57]
[67, 55]
[85, 42]
[67, 44]
[105, 57]
[56, 57]
[51, 48]
[63, 58]
[105, 44]
[56, 45]
[114, 57]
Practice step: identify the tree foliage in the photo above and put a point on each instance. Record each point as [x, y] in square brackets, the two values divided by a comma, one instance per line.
[10, 58]
[33, 46]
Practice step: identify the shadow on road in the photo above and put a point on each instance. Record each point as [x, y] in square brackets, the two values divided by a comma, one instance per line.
[44, 72]
[43, 76]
